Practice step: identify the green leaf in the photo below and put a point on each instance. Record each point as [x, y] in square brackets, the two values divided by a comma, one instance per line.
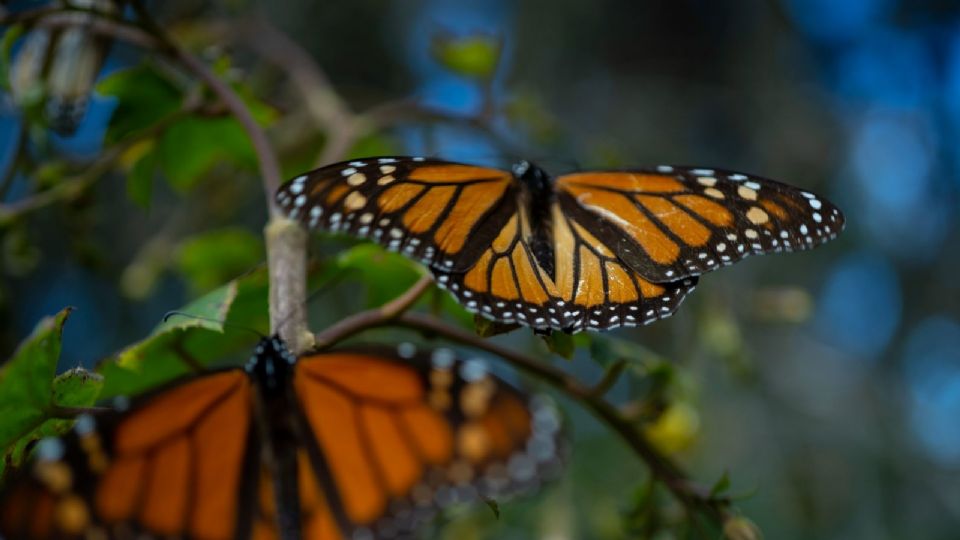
[30, 393]
[493, 505]
[560, 343]
[140, 179]
[721, 485]
[144, 97]
[26, 378]
[192, 146]
[182, 344]
[76, 388]
[209, 259]
[474, 56]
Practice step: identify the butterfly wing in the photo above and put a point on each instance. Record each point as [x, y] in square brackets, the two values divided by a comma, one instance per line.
[438, 212]
[172, 466]
[401, 434]
[591, 287]
[675, 222]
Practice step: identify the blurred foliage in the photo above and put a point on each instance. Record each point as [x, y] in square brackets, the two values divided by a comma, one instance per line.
[144, 97]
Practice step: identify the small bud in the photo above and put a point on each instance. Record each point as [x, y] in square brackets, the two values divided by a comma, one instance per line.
[474, 56]
[741, 528]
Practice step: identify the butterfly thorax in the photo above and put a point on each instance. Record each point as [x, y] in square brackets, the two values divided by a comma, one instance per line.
[271, 365]
[536, 199]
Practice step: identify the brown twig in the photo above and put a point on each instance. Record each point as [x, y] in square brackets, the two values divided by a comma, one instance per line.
[373, 317]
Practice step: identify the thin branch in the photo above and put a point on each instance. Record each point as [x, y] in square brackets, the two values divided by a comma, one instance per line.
[667, 472]
[373, 317]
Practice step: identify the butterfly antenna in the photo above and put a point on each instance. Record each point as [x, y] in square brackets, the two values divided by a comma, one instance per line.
[226, 324]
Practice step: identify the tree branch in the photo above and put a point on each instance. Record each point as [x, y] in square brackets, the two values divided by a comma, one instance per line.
[287, 260]
[373, 317]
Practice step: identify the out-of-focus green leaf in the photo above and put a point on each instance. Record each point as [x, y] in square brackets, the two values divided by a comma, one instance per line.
[721, 485]
[560, 343]
[386, 275]
[494, 506]
[30, 394]
[474, 56]
[209, 259]
[182, 343]
[262, 112]
[143, 96]
[192, 146]
[140, 178]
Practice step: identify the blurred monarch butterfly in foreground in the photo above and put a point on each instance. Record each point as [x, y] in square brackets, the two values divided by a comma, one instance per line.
[340, 445]
[595, 250]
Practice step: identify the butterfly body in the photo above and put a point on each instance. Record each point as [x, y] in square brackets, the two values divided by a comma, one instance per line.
[591, 250]
[335, 446]
[536, 198]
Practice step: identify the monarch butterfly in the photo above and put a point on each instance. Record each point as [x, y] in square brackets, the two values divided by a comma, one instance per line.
[354, 445]
[593, 250]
